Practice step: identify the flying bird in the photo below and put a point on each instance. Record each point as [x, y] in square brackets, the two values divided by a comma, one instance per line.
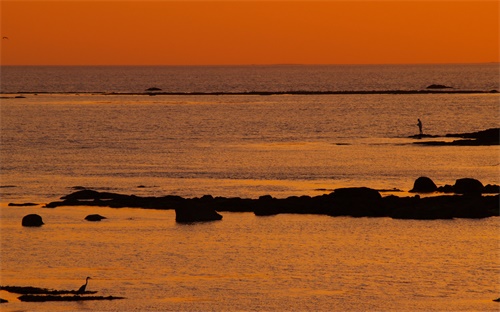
[5, 38]
[82, 289]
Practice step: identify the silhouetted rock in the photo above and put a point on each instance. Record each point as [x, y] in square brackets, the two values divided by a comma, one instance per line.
[423, 136]
[468, 186]
[94, 217]
[438, 86]
[30, 290]
[45, 298]
[32, 220]
[195, 213]
[446, 189]
[3, 300]
[423, 185]
[491, 189]
[480, 138]
[356, 202]
[22, 205]
[489, 135]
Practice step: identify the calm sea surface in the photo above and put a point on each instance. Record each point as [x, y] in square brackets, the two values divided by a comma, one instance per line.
[65, 132]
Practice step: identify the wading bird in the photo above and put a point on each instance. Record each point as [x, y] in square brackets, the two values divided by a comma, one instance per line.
[82, 289]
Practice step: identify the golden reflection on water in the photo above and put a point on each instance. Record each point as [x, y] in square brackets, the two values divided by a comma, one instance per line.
[244, 262]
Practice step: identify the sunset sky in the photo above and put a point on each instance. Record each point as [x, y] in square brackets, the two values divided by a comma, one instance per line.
[248, 32]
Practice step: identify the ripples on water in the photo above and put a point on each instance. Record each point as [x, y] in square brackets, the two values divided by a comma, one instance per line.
[247, 78]
[244, 146]
[280, 263]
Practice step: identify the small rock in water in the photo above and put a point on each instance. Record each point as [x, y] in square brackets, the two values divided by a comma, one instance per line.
[94, 217]
[22, 205]
[32, 220]
[438, 86]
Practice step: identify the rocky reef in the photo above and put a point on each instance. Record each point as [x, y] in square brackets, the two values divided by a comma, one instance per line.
[470, 199]
[479, 138]
[36, 294]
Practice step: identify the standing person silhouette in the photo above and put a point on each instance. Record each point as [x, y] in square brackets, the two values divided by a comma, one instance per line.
[419, 124]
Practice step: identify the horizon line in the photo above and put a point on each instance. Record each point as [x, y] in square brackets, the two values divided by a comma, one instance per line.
[256, 64]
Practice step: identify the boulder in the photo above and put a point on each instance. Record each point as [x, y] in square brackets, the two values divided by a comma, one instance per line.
[357, 202]
[32, 220]
[423, 185]
[94, 217]
[195, 213]
[468, 186]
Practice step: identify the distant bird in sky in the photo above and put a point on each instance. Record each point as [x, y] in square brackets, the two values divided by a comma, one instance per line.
[82, 289]
[5, 38]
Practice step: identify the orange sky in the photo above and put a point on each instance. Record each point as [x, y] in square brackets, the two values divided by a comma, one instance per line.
[248, 32]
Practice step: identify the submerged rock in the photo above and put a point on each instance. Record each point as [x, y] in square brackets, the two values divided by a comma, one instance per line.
[438, 86]
[196, 213]
[423, 185]
[45, 298]
[22, 204]
[94, 217]
[32, 220]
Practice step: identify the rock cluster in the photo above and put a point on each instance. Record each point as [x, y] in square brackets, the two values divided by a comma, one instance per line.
[480, 138]
[461, 186]
[467, 202]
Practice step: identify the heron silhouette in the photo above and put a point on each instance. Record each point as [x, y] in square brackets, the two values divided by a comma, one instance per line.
[82, 289]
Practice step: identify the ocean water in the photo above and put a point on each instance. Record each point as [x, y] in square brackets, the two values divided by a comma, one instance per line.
[68, 131]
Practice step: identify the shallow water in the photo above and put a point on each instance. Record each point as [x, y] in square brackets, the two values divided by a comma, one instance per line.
[244, 146]
[244, 262]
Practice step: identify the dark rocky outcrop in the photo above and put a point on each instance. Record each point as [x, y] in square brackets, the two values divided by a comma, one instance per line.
[94, 217]
[423, 136]
[468, 186]
[45, 298]
[484, 137]
[480, 138]
[424, 185]
[196, 213]
[36, 294]
[438, 86]
[355, 202]
[3, 300]
[32, 220]
[22, 204]
[30, 290]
